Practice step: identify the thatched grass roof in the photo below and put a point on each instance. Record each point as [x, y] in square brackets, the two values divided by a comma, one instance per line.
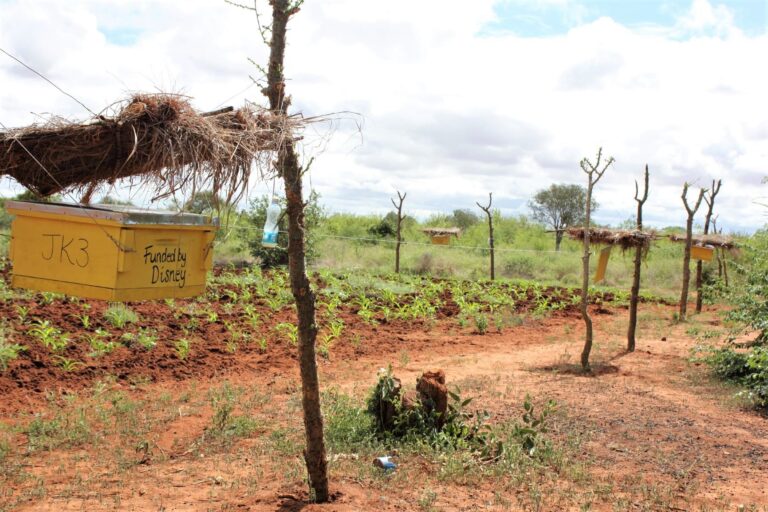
[720, 241]
[626, 239]
[442, 231]
[156, 138]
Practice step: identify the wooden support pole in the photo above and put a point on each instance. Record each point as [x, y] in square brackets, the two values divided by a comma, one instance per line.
[594, 173]
[710, 200]
[399, 207]
[687, 254]
[489, 213]
[634, 296]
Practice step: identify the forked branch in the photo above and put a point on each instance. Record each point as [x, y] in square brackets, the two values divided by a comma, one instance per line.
[692, 211]
[399, 207]
[487, 210]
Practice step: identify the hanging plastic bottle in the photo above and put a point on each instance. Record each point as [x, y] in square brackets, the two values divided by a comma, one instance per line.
[269, 237]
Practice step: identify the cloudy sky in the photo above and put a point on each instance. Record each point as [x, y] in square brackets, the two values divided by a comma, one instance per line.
[455, 98]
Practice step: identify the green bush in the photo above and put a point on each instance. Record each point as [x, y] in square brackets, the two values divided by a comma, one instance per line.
[459, 429]
[757, 378]
[383, 229]
[729, 364]
[519, 266]
[751, 298]
[748, 369]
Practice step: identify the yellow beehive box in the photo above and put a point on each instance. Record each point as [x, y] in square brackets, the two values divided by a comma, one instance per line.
[441, 239]
[701, 253]
[109, 252]
[602, 264]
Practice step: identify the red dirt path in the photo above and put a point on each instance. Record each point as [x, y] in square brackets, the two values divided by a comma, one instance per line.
[656, 433]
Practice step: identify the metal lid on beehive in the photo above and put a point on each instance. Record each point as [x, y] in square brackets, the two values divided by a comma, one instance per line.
[119, 213]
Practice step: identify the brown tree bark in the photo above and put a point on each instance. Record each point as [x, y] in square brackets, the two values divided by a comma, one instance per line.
[487, 210]
[634, 296]
[722, 265]
[687, 254]
[719, 263]
[710, 200]
[594, 173]
[399, 206]
[288, 167]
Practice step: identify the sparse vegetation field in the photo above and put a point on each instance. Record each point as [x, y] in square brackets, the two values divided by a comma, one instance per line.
[196, 403]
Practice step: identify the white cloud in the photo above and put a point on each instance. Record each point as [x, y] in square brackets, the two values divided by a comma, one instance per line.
[449, 114]
[703, 17]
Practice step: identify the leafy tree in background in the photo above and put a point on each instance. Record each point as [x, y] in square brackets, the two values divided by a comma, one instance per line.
[382, 229]
[27, 195]
[5, 218]
[460, 218]
[560, 206]
[203, 202]
[272, 257]
[465, 218]
[114, 201]
[387, 226]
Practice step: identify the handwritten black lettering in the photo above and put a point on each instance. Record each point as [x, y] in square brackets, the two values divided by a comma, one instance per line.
[168, 264]
[62, 244]
[50, 255]
[83, 254]
[164, 255]
[164, 275]
[63, 250]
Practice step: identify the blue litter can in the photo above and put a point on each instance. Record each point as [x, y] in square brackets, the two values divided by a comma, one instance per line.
[384, 463]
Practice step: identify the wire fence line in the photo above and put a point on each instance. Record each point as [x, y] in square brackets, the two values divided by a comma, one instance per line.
[419, 244]
[386, 241]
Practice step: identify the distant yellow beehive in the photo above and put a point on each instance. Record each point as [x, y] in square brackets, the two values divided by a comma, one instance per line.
[701, 253]
[109, 252]
[441, 236]
[441, 239]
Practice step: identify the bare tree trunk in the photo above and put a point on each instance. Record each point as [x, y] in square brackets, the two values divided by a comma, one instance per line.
[489, 213]
[719, 263]
[687, 255]
[722, 266]
[291, 171]
[710, 200]
[558, 238]
[635, 292]
[594, 174]
[399, 207]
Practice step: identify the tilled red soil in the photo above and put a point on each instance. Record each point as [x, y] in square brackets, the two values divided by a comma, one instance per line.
[38, 370]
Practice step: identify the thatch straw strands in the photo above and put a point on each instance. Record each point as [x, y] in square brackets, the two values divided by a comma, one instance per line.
[157, 138]
[719, 241]
[626, 239]
[442, 231]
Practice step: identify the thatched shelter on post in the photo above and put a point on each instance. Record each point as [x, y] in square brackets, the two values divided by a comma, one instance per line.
[623, 238]
[705, 247]
[159, 139]
[441, 236]
[714, 241]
